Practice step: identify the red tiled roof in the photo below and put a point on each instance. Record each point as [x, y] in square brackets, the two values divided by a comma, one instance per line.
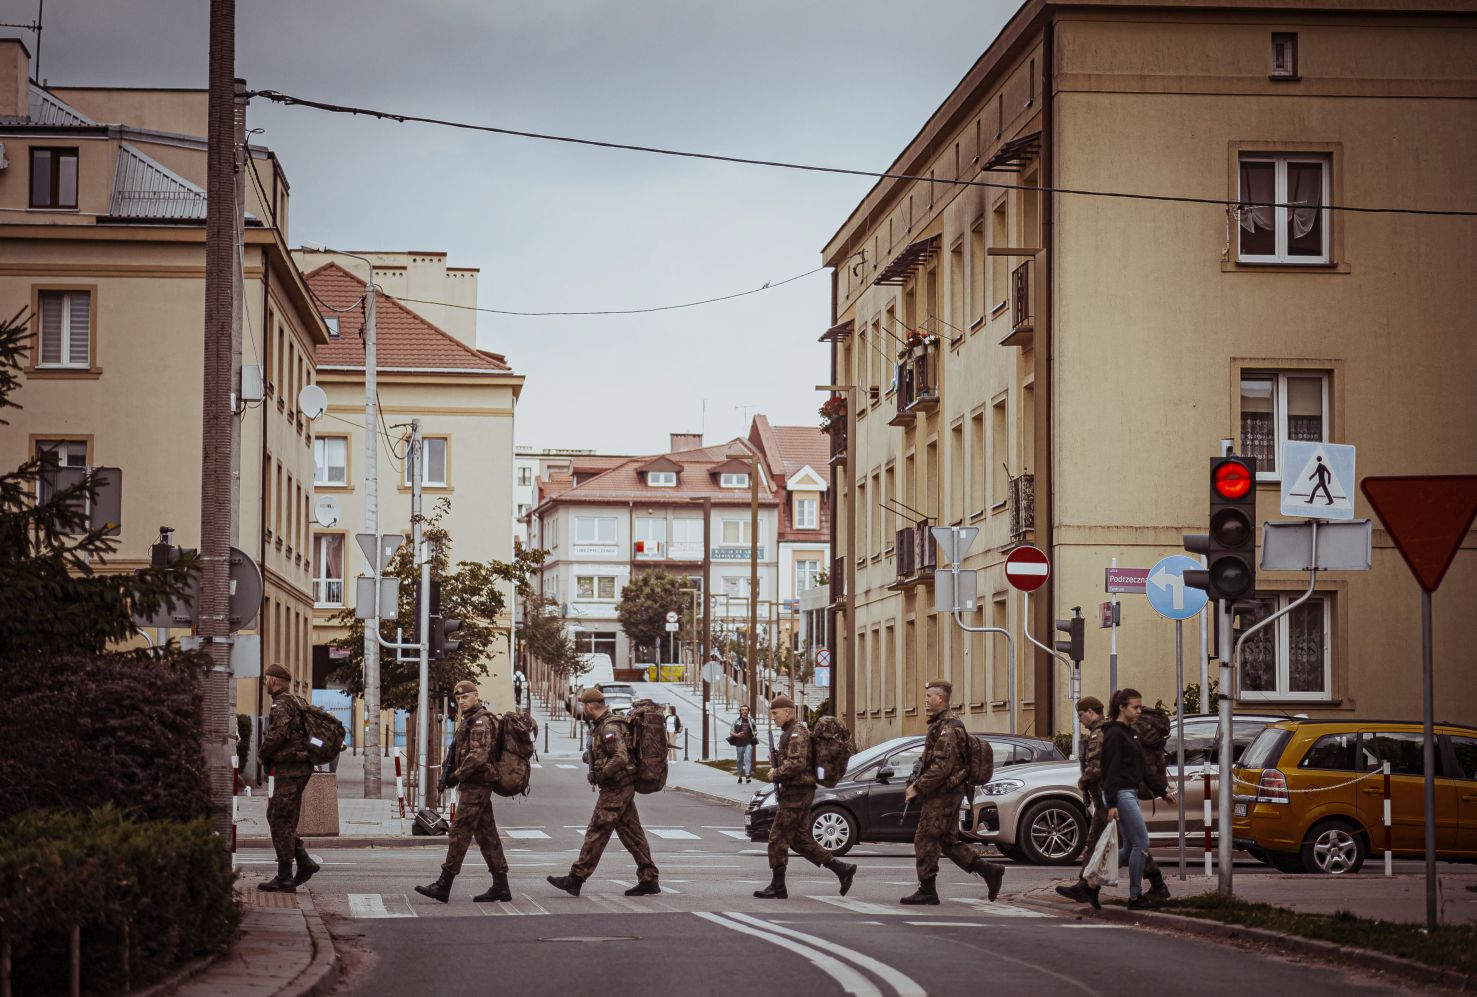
[802, 445]
[624, 483]
[402, 338]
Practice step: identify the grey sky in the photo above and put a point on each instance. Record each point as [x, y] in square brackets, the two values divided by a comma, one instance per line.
[555, 227]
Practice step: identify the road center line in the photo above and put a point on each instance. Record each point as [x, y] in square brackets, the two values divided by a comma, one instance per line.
[905, 986]
[850, 980]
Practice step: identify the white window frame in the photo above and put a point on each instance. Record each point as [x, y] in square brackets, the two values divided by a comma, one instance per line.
[661, 479]
[811, 522]
[801, 575]
[592, 530]
[1279, 380]
[597, 582]
[69, 453]
[679, 529]
[426, 481]
[743, 532]
[65, 345]
[320, 569]
[525, 475]
[322, 468]
[1279, 162]
[733, 479]
[1281, 693]
[331, 321]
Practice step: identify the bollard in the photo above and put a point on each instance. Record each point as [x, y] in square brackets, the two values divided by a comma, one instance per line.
[546, 739]
[1389, 855]
[1208, 822]
[684, 744]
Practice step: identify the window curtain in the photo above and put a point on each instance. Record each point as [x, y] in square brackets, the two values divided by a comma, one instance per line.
[1304, 186]
[1258, 659]
[1305, 647]
[1259, 186]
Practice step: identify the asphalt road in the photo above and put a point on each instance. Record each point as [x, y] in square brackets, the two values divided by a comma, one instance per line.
[707, 934]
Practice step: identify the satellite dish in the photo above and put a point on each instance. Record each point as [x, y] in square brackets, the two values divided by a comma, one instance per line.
[312, 401]
[325, 512]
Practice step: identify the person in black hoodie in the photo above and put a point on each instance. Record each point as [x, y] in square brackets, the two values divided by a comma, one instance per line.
[1123, 771]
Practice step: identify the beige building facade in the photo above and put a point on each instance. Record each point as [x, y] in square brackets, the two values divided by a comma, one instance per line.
[1056, 368]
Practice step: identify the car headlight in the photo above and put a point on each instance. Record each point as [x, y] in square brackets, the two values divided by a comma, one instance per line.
[764, 798]
[1002, 787]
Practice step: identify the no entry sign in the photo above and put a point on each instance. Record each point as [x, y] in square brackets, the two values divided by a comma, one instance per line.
[1026, 568]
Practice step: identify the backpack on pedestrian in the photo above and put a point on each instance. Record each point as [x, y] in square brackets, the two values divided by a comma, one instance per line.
[512, 753]
[979, 761]
[323, 733]
[831, 749]
[646, 728]
[1152, 728]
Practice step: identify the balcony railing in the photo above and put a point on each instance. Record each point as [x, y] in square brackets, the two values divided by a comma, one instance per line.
[905, 554]
[838, 579]
[1022, 506]
[838, 442]
[328, 592]
[917, 555]
[1022, 305]
[917, 383]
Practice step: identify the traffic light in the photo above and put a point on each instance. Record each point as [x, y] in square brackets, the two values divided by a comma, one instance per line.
[441, 645]
[1076, 631]
[1230, 546]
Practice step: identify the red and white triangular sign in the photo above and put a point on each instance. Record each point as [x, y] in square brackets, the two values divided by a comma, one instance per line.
[1427, 516]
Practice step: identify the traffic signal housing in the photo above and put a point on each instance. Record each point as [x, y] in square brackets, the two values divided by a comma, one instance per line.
[1230, 546]
[441, 642]
[1075, 628]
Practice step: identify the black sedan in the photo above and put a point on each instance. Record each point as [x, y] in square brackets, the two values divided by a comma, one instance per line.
[867, 805]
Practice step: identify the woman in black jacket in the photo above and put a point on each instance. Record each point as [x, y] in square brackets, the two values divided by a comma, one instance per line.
[1123, 771]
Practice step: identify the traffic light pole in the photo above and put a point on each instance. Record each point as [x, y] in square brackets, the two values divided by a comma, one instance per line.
[1076, 672]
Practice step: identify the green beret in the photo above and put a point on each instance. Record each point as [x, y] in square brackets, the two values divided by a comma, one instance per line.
[782, 702]
[278, 672]
[592, 695]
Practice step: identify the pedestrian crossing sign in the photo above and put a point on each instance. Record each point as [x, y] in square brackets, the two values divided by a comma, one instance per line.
[1318, 480]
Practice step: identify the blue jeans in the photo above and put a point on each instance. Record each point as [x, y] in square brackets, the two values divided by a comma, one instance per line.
[1134, 834]
[745, 760]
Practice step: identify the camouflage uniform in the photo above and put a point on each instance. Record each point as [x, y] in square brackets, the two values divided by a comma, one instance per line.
[795, 776]
[1092, 792]
[615, 809]
[940, 786]
[285, 749]
[472, 749]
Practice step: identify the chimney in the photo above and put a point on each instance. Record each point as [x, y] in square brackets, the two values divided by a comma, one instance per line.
[15, 79]
[685, 441]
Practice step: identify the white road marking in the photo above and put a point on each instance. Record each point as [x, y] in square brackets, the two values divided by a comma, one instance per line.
[536, 765]
[740, 835]
[525, 832]
[672, 833]
[998, 909]
[850, 980]
[943, 924]
[373, 905]
[561, 765]
[905, 986]
[856, 906]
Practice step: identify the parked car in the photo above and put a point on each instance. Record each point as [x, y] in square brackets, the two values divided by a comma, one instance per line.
[1036, 814]
[1278, 816]
[618, 696]
[868, 804]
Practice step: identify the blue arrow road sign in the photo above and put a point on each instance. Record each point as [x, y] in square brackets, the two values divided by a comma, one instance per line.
[1167, 592]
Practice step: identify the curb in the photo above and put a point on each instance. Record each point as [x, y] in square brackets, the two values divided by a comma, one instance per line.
[1364, 958]
[709, 797]
[377, 841]
[323, 971]
[187, 972]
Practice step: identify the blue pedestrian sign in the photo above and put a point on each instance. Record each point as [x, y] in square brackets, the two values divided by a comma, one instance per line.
[1318, 480]
[1168, 594]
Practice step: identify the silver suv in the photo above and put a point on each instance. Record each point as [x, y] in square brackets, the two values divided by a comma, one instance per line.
[1035, 813]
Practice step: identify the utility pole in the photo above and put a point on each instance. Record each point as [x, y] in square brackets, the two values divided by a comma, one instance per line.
[423, 624]
[218, 455]
[371, 526]
[754, 583]
[707, 612]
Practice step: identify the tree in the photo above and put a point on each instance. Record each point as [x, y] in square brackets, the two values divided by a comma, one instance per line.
[547, 640]
[53, 597]
[470, 592]
[645, 603]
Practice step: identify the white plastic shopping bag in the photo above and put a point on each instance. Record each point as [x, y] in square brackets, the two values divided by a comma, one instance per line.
[1102, 866]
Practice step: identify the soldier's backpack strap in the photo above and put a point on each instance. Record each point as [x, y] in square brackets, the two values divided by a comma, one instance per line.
[964, 759]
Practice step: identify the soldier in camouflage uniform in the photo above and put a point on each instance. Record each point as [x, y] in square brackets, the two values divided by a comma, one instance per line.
[285, 749]
[943, 771]
[793, 771]
[471, 753]
[612, 771]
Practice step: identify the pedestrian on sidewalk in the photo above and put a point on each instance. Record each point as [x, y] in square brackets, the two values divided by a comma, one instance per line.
[612, 771]
[1090, 715]
[520, 683]
[285, 749]
[473, 776]
[942, 773]
[743, 736]
[1124, 771]
[794, 774]
[674, 727]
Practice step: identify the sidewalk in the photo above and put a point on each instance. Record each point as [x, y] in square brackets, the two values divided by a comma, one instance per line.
[712, 784]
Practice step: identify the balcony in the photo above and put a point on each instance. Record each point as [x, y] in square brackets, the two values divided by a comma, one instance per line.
[1022, 306]
[837, 433]
[1022, 505]
[917, 555]
[838, 581]
[917, 382]
[328, 593]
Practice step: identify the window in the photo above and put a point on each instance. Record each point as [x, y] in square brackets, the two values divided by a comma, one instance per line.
[1404, 752]
[332, 322]
[525, 475]
[1284, 56]
[523, 509]
[977, 465]
[1290, 659]
[433, 462]
[53, 178]
[862, 519]
[56, 454]
[807, 575]
[668, 479]
[328, 569]
[977, 273]
[957, 471]
[1464, 750]
[331, 460]
[1331, 751]
[735, 532]
[689, 531]
[999, 454]
[1200, 744]
[1277, 407]
[650, 536]
[1297, 230]
[597, 587]
[730, 480]
[1000, 293]
[66, 329]
[594, 529]
[807, 514]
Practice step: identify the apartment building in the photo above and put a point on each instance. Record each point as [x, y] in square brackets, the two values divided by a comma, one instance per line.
[102, 243]
[1019, 351]
[532, 465]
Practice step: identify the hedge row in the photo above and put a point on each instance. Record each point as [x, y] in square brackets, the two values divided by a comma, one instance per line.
[146, 896]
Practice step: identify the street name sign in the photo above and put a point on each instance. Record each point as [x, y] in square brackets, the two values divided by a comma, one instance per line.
[1168, 594]
[1427, 516]
[1125, 580]
[1288, 546]
[1317, 480]
[1026, 568]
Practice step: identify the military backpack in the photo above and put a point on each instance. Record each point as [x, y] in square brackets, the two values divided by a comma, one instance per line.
[323, 734]
[1152, 727]
[646, 728]
[512, 753]
[831, 748]
[979, 761]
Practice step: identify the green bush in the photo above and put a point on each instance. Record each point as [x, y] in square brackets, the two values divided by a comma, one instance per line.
[87, 730]
[149, 895]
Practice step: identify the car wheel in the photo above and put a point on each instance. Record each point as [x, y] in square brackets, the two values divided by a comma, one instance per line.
[1052, 832]
[1334, 847]
[833, 829]
[1283, 862]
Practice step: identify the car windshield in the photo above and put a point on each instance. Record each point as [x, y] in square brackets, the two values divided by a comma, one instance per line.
[867, 756]
[1266, 749]
[619, 690]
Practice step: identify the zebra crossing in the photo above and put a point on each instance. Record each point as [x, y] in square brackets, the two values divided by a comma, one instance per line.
[576, 832]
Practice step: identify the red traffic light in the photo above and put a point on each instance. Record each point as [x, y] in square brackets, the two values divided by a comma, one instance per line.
[1232, 480]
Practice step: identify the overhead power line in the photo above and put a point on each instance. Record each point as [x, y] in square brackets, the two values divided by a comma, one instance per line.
[290, 100]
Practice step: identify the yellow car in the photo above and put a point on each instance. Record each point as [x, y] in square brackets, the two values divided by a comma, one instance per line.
[1309, 794]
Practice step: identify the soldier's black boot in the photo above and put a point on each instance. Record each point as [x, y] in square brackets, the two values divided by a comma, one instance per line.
[845, 872]
[1158, 889]
[305, 866]
[282, 883]
[439, 890]
[569, 884]
[648, 889]
[926, 894]
[993, 875]
[776, 888]
[497, 891]
[1078, 892]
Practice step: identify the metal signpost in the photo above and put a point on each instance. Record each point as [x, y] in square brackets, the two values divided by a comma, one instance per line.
[951, 583]
[1118, 580]
[1027, 569]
